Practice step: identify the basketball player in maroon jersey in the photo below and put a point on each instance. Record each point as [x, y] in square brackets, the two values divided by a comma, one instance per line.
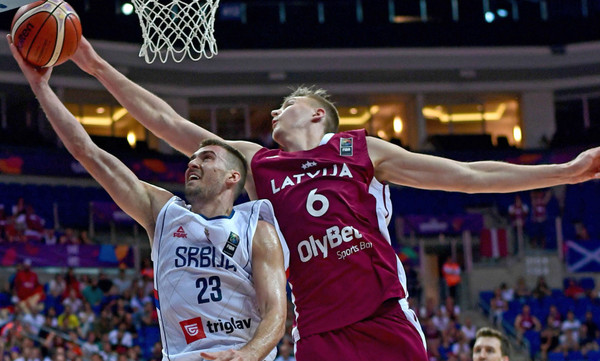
[329, 195]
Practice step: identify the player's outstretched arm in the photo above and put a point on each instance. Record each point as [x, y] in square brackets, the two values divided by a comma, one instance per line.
[138, 199]
[269, 281]
[154, 113]
[396, 165]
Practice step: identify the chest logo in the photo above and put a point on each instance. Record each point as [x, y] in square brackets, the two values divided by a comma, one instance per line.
[346, 147]
[309, 164]
[180, 233]
[232, 243]
[192, 329]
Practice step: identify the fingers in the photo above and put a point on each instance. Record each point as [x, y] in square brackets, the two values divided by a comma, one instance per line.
[208, 356]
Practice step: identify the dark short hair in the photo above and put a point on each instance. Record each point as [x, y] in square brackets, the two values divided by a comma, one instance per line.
[332, 118]
[490, 332]
[235, 160]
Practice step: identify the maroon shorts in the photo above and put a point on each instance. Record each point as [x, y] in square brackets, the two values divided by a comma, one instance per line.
[393, 333]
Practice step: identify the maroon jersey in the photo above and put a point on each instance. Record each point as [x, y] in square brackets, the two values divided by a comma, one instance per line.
[333, 214]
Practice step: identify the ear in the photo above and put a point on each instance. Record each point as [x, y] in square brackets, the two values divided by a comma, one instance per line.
[318, 115]
[234, 177]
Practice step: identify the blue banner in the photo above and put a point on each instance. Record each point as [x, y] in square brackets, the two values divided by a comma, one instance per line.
[72, 255]
[583, 256]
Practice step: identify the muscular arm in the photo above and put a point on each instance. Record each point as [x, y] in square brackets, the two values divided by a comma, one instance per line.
[269, 282]
[151, 111]
[397, 165]
[140, 200]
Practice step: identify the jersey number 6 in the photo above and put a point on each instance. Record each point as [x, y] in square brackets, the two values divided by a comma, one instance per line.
[313, 198]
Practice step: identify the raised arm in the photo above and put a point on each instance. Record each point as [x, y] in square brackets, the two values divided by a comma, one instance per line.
[151, 111]
[269, 281]
[397, 165]
[138, 199]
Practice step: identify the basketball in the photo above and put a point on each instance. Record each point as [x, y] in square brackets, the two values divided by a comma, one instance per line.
[46, 33]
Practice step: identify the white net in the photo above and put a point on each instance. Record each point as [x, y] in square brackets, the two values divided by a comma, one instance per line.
[177, 28]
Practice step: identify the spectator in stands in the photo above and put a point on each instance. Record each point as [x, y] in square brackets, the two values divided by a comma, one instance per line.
[518, 212]
[586, 342]
[72, 284]
[461, 346]
[497, 308]
[120, 338]
[33, 224]
[522, 292]
[83, 238]
[19, 207]
[468, 329]
[121, 281]
[413, 282]
[28, 289]
[440, 319]
[541, 288]
[445, 349]
[93, 294]
[526, 321]
[104, 283]
[591, 326]
[67, 320]
[568, 341]
[508, 294]
[57, 285]
[571, 323]
[549, 337]
[86, 316]
[286, 348]
[574, 290]
[581, 232]
[68, 237]
[50, 237]
[90, 346]
[33, 322]
[107, 352]
[539, 217]
[147, 270]
[428, 309]
[74, 302]
[554, 317]
[490, 345]
[450, 308]
[451, 274]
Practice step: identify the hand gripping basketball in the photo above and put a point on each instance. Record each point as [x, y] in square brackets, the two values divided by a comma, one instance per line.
[46, 33]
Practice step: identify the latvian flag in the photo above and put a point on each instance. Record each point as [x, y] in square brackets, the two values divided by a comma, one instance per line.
[493, 243]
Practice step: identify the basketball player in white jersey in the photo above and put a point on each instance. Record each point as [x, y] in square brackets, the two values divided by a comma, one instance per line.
[328, 190]
[219, 269]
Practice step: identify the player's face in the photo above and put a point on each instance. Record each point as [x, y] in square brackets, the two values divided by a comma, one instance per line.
[206, 172]
[488, 349]
[294, 113]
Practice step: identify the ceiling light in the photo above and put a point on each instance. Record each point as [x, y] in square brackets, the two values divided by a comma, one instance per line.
[131, 138]
[517, 133]
[398, 126]
[474, 116]
[357, 120]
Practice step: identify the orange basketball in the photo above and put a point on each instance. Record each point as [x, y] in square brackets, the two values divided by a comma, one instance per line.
[46, 33]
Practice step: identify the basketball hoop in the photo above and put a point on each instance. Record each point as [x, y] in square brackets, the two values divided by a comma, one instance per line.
[176, 28]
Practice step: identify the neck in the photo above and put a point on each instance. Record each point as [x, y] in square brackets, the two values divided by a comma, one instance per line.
[308, 140]
[214, 208]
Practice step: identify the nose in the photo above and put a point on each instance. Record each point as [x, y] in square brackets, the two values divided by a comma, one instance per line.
[192, 163]
[275, 112]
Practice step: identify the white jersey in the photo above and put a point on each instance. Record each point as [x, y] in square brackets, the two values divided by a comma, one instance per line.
[203, 284]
